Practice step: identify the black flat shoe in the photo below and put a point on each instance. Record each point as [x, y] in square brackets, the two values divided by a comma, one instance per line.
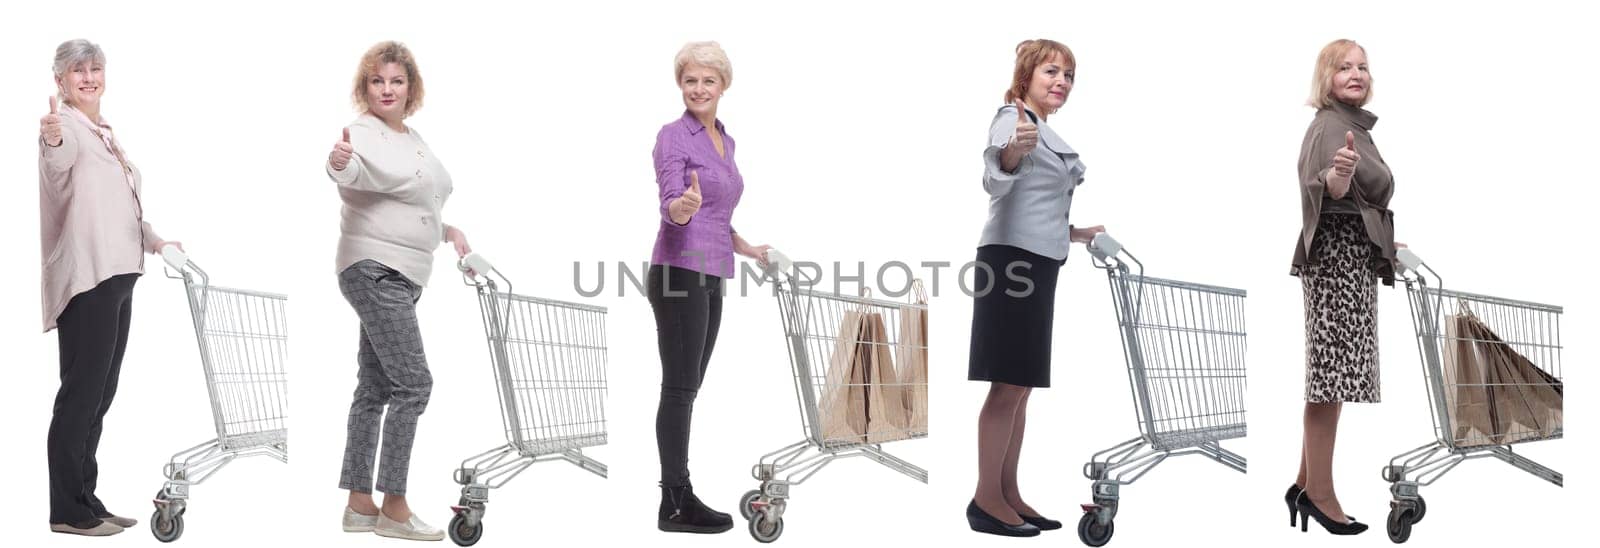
[1309, 509]
[1294, 512]
[1043, 523]
[982, 522]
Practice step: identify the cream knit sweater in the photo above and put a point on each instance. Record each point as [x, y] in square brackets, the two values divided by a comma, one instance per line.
[394, 190]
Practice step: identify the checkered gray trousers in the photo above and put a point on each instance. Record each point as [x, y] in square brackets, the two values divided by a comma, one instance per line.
[393, 372]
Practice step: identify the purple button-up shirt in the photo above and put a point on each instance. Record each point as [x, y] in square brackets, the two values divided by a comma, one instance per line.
[705, 243]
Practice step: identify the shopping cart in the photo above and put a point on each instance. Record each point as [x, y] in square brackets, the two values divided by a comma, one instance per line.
[1529, 330]
[549, 362]
[244, 339]
[1185, 348]
[812, 322]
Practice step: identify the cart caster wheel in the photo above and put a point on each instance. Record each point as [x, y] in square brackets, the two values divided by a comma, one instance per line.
[1400, 522]
[1092, 533]
[166, 529]
[765, 530]
[747, 503]
[1422, 510]
[463, 534]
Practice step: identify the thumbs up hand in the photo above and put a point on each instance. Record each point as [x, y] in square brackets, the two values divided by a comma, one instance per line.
[1027, 133]
[50, 126]
[688, 204]
[342, 151]
[1346, 158]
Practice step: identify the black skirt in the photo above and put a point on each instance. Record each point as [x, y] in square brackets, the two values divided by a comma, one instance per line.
[1012, 321]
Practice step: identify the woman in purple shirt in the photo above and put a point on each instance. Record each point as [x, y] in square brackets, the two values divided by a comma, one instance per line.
[699, 187]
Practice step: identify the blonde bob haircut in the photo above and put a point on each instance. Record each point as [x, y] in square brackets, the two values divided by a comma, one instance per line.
[706, 54]
[382, 54]
[1031, 54]
[1327, 65]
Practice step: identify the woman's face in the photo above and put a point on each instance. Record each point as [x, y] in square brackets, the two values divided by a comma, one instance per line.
[702, 88]
[82, 85]
[388, 90]
[1052, 82]
[1352, 81]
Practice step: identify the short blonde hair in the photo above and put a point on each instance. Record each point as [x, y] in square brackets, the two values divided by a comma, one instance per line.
[381, 54]
[1031, 54]
[1327, 65]
[706, 54]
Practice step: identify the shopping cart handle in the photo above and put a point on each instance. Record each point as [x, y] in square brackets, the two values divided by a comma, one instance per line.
[1104, 246]
[1408, 259]
[778, 262]
[174, 257]
[475, 263]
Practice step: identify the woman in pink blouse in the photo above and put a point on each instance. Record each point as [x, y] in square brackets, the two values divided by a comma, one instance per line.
[93, 241]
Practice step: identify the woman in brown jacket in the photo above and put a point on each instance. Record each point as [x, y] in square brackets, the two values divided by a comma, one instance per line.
[1346, 246]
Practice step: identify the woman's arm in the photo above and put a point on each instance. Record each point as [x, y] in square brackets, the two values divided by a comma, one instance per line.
[679, 189]
[757, 252]
[348, 168]
[457, 238]
[1006, 158]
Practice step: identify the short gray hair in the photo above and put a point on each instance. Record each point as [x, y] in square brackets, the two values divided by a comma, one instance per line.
[72, 53]
[706, 54]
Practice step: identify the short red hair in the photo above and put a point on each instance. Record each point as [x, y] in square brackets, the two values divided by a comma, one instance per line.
[1031, 54]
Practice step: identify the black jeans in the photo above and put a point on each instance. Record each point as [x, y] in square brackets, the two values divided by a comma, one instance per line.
[688, 310]
[92, 333]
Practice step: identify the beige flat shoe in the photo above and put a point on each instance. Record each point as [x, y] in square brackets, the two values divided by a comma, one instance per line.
[104, 529]
[412, 529]
[356, 522]
[119, 521]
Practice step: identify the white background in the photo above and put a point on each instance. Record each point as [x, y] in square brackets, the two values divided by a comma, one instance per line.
[859, 131]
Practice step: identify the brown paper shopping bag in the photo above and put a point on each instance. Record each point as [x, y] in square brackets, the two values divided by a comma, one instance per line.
[887, 419]
[1463, 370]
[842, 407]
[912, 351]
[1526, 403]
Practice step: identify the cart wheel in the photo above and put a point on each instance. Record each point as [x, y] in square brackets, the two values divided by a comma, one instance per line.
[1400, 522]
[463, 534]
[747, 503]
[765, 530]
[1092, 533]
[1422, 510]
[166, 529]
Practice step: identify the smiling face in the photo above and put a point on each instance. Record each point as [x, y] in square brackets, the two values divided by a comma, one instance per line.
[1051, 84]
[1351, 80]
[83, 84]
[387, 92]
[702, 88]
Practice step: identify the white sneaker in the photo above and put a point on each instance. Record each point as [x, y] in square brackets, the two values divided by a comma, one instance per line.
[356, 522]
[412, 529]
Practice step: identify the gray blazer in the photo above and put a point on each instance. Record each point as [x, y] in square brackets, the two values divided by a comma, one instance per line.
[1030, 209]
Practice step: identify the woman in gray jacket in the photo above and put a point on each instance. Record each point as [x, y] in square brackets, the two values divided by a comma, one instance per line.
[1024, 244]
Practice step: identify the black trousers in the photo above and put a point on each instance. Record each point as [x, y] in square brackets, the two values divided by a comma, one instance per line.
[92, 333]
[688, 310]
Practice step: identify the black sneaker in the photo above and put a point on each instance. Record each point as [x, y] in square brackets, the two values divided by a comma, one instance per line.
[682, 512]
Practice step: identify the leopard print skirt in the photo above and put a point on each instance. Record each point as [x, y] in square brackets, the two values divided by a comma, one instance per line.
[1341, 303]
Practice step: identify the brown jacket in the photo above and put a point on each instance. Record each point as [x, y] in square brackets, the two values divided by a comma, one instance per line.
[1370, 189]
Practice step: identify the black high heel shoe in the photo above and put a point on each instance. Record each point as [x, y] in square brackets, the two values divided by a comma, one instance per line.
[1309, 509]
[1290, 497]
[982, 522]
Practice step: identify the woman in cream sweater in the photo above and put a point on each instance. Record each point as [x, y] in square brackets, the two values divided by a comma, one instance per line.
[394, 190]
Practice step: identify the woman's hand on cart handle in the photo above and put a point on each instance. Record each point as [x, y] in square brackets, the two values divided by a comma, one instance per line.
[1085, 235]
[459, 239]
[50, 125]
[757, 252]
[342, 151]
[173, 254]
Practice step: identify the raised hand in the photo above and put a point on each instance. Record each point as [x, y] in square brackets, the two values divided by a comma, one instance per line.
[50, 126]
[342, 151]
[1345, 159]
[688, 204]
[1026, 135]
